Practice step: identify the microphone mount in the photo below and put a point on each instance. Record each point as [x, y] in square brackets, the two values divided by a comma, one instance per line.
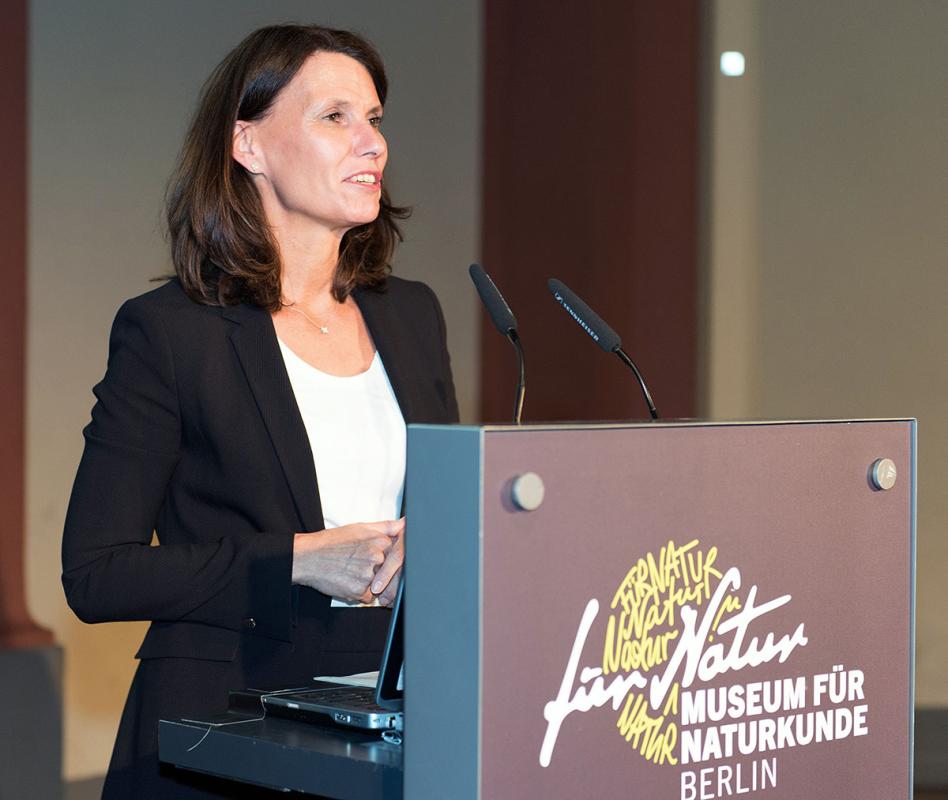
[505, 322]
[600, 332]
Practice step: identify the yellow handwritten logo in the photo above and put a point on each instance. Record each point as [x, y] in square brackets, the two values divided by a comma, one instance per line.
[644, 621]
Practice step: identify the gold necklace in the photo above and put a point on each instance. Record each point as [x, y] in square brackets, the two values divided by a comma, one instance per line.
[324, 329]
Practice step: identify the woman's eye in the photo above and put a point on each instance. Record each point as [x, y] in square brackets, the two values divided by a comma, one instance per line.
[375, 122]
[335, 116]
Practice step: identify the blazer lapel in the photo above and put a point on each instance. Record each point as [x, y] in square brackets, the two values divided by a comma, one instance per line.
[254, 340]
[389, 338]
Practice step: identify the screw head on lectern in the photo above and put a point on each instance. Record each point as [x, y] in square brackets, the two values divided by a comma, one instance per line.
[883, 474]
[527, 491]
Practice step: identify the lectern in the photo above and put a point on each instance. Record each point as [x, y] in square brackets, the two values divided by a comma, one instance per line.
[686, 611]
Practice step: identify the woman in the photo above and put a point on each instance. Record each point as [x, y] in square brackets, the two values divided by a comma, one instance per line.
[280, 353]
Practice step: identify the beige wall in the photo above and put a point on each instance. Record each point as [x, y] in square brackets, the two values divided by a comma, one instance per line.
[828, 239]
[112, 86]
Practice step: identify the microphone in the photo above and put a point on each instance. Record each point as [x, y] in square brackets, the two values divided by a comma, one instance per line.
[505, 322]
[601, 333]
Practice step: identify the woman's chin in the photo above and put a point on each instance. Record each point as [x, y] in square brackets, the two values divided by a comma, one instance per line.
[358, 220]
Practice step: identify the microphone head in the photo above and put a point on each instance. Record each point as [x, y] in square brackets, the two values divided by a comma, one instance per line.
[586, 318]
[493, 301]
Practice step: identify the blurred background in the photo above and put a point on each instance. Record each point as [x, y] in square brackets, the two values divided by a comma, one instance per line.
[770, 243]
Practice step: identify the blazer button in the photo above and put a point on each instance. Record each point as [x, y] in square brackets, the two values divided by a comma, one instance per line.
[250, 624]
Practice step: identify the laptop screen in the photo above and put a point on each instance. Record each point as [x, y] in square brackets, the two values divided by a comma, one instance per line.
[389, 692]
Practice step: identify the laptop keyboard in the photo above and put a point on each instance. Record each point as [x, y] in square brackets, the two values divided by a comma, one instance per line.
[354, 696]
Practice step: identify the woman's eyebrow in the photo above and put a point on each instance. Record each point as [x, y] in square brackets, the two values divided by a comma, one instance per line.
[344, 105]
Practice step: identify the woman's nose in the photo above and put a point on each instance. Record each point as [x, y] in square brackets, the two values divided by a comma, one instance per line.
[369, 141]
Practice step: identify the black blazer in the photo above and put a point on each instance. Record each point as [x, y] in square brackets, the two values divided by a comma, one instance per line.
[196, 436]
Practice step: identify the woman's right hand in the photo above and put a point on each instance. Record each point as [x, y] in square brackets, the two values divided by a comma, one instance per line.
[342, 562]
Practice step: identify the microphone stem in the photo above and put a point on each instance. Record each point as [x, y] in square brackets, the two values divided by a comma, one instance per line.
[624, 357]
[521, 384]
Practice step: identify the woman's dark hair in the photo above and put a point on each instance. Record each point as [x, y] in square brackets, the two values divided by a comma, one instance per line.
[221, 244]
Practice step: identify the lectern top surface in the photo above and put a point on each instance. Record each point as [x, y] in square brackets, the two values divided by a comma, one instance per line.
[664, 423]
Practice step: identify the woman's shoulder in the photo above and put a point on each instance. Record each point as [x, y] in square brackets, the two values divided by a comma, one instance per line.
[170, 304]
[166, 317]
[413, 303]
[168, 296]
[403, 293]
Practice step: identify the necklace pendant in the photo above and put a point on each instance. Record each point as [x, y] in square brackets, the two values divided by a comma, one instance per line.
[324, 329]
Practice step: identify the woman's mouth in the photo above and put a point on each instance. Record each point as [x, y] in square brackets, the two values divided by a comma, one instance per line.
[371, 180]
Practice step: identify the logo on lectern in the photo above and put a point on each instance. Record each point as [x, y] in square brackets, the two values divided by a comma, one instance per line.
[679, 621]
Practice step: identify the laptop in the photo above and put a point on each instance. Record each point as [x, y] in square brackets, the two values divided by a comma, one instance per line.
[377, 708]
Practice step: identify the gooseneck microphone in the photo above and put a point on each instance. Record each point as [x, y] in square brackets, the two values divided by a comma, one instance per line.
[599, 331]
[505, 322]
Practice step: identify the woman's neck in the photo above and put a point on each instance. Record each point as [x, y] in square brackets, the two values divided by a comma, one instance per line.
[308, 264]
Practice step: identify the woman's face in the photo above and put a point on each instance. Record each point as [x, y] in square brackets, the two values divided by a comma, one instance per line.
[319, 150]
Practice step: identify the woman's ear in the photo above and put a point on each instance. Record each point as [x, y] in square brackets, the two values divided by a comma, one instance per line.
[243, 149]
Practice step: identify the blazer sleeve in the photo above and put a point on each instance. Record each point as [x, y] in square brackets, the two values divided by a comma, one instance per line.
[111, 568]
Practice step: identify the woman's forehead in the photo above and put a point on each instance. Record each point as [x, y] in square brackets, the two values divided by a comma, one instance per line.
[333, 77]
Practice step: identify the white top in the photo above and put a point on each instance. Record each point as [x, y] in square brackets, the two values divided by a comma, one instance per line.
[357, 435]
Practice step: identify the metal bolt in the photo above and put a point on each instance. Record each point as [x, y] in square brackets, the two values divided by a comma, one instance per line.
[527, 491]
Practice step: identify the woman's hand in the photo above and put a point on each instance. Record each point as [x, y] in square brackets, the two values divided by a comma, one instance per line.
[385, 585]
[343, 562]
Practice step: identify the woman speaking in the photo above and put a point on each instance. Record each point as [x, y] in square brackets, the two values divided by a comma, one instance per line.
[242, 478]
